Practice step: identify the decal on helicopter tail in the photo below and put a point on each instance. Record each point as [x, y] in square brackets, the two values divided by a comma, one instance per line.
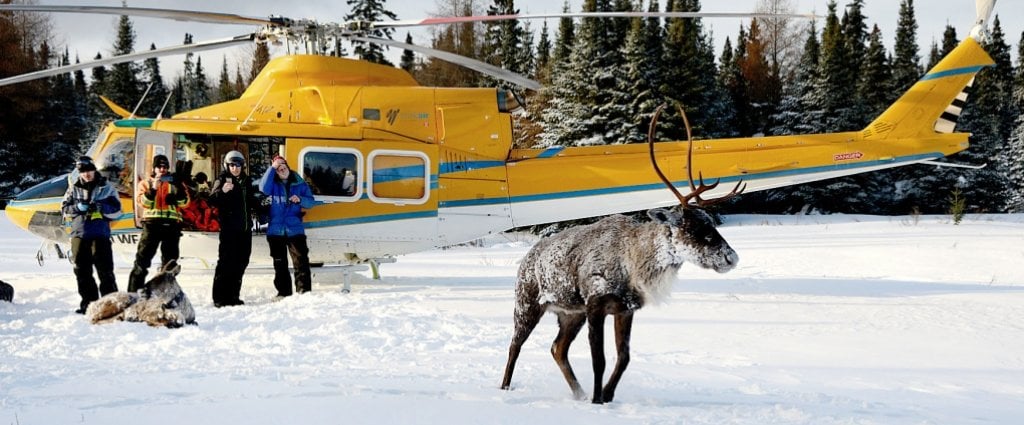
[847, 156]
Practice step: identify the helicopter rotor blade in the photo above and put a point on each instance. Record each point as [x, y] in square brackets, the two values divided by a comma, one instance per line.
[177, 15]
[113, 60]
[481, 67]
[487, 18]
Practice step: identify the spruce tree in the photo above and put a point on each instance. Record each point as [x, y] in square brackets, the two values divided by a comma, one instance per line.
[690, 76]
[1015, 148]
[643, 54]
[583, 88]
[158, 92]
[371, 11]
[503, 43]
[201, 87]
[934, 56]
[225, 87]
[97, 108]
[837, 78]
[906, 61]
[949, 40]
[543, 54]
[989, 118]
[730, 77]
[408, 61]
[260, 58]
[875, 82]
[123, 86]
[566, 37]
[929, 188]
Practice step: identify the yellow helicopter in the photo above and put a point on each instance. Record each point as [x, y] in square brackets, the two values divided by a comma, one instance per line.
[398, 168]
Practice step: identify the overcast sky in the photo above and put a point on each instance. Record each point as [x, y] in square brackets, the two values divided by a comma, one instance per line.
[88, 34]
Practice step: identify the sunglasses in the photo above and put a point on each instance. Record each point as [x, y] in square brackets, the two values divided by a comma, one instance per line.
[235, 165]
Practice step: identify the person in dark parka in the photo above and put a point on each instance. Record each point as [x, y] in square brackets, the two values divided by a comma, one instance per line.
[289, 197]
[90, 204]
[236, 199]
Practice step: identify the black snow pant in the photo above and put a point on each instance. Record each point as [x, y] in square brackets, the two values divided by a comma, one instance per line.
[163, 234]
[295, 246]
[232, 259]
[87, 254]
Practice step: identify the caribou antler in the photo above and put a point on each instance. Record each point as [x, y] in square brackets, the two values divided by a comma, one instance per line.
[695, 191]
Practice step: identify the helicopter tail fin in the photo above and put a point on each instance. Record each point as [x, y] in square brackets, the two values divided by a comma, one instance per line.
[117, 109]
[933, 104]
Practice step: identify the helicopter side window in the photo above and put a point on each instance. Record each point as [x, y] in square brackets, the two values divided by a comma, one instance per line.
[399, 177]
[332, 173]
[117, 164]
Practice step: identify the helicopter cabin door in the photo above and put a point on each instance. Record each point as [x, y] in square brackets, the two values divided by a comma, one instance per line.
[148, 144]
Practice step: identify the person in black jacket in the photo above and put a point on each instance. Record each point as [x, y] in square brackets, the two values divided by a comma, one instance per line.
[236, 199]
[90, 204]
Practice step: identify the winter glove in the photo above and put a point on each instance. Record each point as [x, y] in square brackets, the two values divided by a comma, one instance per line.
[82, 206]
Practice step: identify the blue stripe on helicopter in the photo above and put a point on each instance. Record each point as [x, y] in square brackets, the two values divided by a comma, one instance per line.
[550, 152]
[372, 219]
[460, 166]
[952, 72]
[643, 187]
[384, 175]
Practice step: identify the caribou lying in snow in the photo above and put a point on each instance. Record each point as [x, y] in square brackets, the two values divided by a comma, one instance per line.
[613, 267]
[160, 303]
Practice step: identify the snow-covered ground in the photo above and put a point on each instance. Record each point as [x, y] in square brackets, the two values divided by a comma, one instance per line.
[827, 319]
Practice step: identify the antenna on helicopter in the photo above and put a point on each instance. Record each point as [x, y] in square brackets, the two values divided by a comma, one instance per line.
[164, 106]
[143, 99]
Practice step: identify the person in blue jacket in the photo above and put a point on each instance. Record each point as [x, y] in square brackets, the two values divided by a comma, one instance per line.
[90, 204]
[289, 197]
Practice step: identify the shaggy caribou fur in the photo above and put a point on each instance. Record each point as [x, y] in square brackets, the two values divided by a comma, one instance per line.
[6, 292]
[612, 267]
[160, 303]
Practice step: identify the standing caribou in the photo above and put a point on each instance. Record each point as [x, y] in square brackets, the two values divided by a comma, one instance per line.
[614, 267]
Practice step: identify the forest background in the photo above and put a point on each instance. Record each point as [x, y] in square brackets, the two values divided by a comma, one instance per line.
[603, 80]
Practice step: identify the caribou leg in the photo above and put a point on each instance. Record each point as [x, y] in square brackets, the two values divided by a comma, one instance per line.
[595, 321]
[569, 326]
[526, 318]
[623, 328]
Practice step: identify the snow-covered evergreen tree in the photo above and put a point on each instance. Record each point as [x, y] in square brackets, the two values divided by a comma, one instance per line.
[643, 74]
[544, 46]
[225, 87]
[989, 117]
[906, 62]
[566, 37]
[581, 111]
[408, 60]
[690, 76]
[123, 86]
[1015, 149]
[371, 11]
[503, 43]
[158, 90]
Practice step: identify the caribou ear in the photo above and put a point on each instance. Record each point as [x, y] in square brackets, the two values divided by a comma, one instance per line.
[662, 215]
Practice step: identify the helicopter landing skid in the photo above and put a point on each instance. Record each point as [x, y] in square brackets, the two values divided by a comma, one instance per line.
[40, 254]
